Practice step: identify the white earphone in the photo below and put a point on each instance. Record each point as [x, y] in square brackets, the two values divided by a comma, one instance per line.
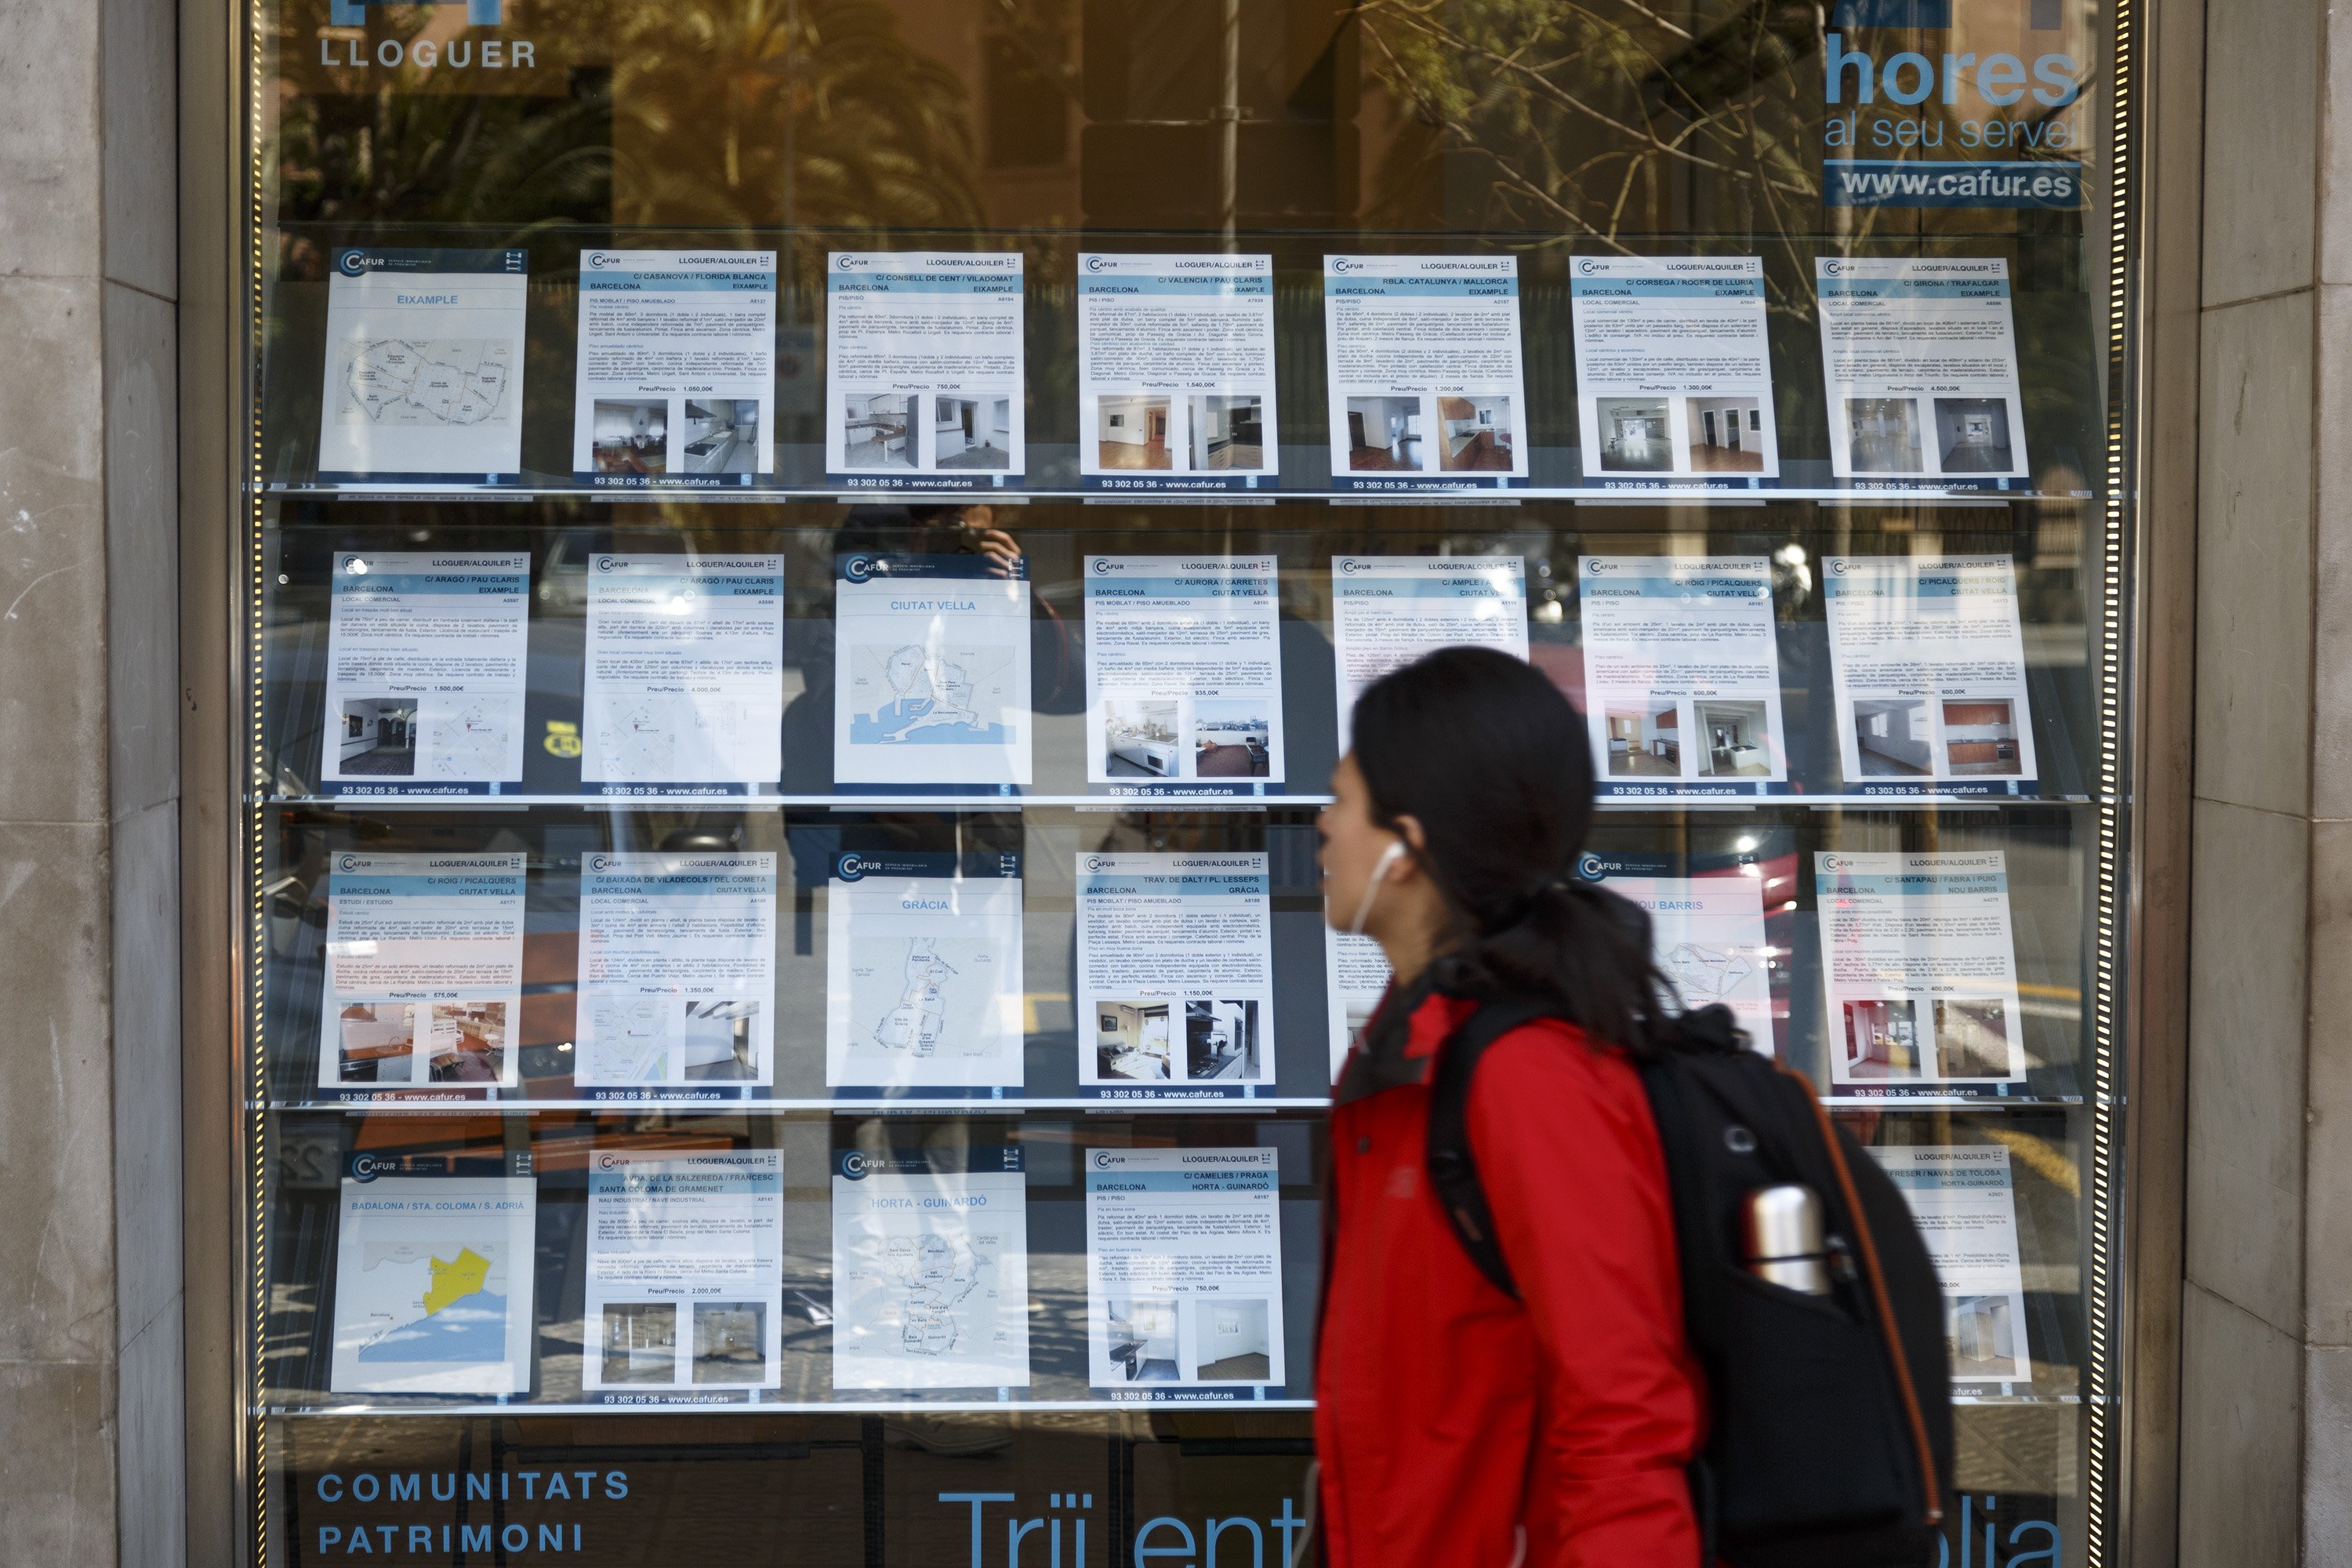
[1389, 857]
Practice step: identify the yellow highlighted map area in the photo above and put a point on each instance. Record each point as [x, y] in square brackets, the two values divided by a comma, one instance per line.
[455, 1281]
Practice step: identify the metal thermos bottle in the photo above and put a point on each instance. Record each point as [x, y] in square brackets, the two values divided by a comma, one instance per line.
[1780, 1238]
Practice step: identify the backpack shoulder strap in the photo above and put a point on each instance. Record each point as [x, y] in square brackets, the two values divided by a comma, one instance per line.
[1452, 1168]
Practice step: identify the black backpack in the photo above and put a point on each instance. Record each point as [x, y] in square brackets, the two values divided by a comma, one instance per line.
[1831, 1443]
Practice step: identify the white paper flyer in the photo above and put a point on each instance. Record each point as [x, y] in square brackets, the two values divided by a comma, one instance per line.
[931, 672]
[1706, 928]
[1176, 372]
[930, 1270]
[923, 369]
[683, 675]
[1920, 358]
[1920, 971]
[685, 1273]
[1355, 976]
[923, 972]
[1682, 675]
[424, 372]
[678, 975]
[1674, 373]
[432, 1285]
[1963, 1199]
[1184, 674]
[1928, 665]
[1176, 975]
[423, 991]
[1389, 610]
[1426, 385]
[425, 661]
[677, 369]
[1184, 1273]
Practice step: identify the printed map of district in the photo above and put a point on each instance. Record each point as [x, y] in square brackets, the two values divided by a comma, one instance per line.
[906, 694]
[439, 1302]
[926, 1296]
[419, 382]
[922, 997]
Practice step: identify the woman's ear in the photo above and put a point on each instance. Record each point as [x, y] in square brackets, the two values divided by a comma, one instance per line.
[1416, 838]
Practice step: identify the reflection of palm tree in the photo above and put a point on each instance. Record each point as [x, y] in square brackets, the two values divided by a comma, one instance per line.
[760, 113]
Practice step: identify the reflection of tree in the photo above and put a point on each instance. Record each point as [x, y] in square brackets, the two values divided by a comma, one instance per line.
[1603, 119]
[758, 114]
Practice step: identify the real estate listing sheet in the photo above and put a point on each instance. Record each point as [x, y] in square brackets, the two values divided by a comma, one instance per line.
[1184, 674]
[931, 1270]
[923, 972]
[1389, 610]
[1674, 373]
[1707, 928]
[1176, 372]
[1682, 675]
[930, 673]
[424, 372]
[678, 975]
[1920, 358]
[1184, 1273]
[923, 369]
[1919, 972]
[425, 661]
[1966, 1203]
[683, 678]
[677, 369]
[1927, 672]
[432, 1285]
[1355, 976]
[1175, 973]
[685, 1274]
[423, 995]
[1427, 389]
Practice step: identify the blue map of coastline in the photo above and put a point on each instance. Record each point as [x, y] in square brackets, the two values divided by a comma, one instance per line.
[883, 726]
[470, 1329]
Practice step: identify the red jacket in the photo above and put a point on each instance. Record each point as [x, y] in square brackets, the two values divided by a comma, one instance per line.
[1457, 1426]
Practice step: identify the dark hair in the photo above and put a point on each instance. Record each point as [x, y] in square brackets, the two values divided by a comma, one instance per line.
[1484, 750]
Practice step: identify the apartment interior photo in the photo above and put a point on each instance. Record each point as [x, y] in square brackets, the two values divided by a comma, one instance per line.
[718, 1045]
[377, 1043]
[1726, 434]
[1140, 1334]
[1890, 737]
[1475, 435]
[1228, 433]
[1981, 737]
[1882, 435]
[1383, 434]
[1131, 1041]
[1231, 740]
[1972, 436]
[1882, 1039]
[1232, 1340]
[468, 1042]
[640, 1341]
[378, 738]
[722, 436]
[1634, 435]
[971, 433]
[1982, 1338]
[1140, 738]
[630, 436]
[1733, 738]
[1972, 1037]
[1221, 1041]
[1645, 742]
[730, 1342]
[1132, 433]
[875, 431]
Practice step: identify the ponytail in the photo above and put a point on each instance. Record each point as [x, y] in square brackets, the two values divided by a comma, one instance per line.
[1484, 752]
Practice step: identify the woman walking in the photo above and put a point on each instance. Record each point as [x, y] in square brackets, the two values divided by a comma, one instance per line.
[1457, 1424]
